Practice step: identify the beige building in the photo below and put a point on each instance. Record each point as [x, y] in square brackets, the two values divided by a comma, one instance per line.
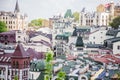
[100, 8]
[14, 20]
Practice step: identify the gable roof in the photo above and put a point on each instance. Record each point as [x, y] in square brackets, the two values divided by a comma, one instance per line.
[20, 52]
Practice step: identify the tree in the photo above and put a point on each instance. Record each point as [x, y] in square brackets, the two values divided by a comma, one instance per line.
[76, 16]
[16, 77]
[49, 65]
[3, 27]
[61, 75]
[118, 75]
[115, 23]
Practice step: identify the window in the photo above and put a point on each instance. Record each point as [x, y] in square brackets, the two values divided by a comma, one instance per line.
[0, 71]
[17, 64]
[93, 37]
[18, 36]
[8, 72]
[118, 47]
[13, 63]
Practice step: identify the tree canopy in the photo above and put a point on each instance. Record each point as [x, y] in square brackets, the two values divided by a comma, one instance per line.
[3, 26]
[36, 22]
[115, 23]
[76, 16]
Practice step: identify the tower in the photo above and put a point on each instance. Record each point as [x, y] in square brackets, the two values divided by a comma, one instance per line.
[20, 61]
[17, 10]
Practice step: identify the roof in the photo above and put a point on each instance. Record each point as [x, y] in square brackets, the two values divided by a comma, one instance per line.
[33, 54]
[68, 14]
[106, 58]
[112, 32]
[8, 32]
[112, 40]
[61, 37]
[20, 52]
[39, 64]
[81, 30]
[93, 45]
[5, 58]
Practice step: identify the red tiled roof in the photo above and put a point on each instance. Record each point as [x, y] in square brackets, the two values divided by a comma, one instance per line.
[106, 58]
[20, 52]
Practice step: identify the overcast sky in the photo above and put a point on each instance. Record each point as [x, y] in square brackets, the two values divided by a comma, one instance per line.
[48, 8]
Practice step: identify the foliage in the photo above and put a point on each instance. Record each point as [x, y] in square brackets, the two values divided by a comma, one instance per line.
[76, 16]
[61, 75]
[118, 74]
[115, 23]
[16, 77]
[3, 26]
[49, 65]
[36, 22]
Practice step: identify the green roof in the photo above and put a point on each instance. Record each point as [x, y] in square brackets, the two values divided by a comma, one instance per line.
[79, 42]
[68, 14]
[38, 65]
[61, 37]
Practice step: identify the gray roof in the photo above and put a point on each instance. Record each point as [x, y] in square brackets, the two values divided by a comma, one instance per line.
[112, 40]
[112, 32]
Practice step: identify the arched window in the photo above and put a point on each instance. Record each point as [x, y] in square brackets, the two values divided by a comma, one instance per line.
[13, 63]
[17, 64]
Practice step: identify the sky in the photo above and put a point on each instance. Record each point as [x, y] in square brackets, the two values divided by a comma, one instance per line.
[47, 8]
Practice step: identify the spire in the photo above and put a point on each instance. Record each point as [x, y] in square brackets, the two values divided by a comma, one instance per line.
[16, 7]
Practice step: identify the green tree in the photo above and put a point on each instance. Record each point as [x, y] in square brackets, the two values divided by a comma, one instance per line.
[49, 65]
[61, 75]
[16, 77]
[3, 27]
[118, 75]
[36, 22]
[115, 23]
[76, 16]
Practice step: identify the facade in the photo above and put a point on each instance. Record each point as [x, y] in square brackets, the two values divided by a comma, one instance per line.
[14, 64]
[12, 37]
[100, 8]
[14, 20]
[95, 39]
[94, 19]
[117, 10]
[116, 47]
[17, 63]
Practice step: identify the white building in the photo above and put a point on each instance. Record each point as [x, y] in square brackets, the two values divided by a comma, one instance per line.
[116, 47]
[14, 20]
[94, 19]
[98, 36]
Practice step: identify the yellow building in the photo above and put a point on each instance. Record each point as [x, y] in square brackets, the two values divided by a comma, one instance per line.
[117, 11]
[14, 20]
[101, 8]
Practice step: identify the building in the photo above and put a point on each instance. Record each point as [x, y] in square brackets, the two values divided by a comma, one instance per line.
[94, 19]
[117, 10]
[14, 64]
[14, 20]
[12, 37]
[17, 63]
[100, 8]
[95, 39]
